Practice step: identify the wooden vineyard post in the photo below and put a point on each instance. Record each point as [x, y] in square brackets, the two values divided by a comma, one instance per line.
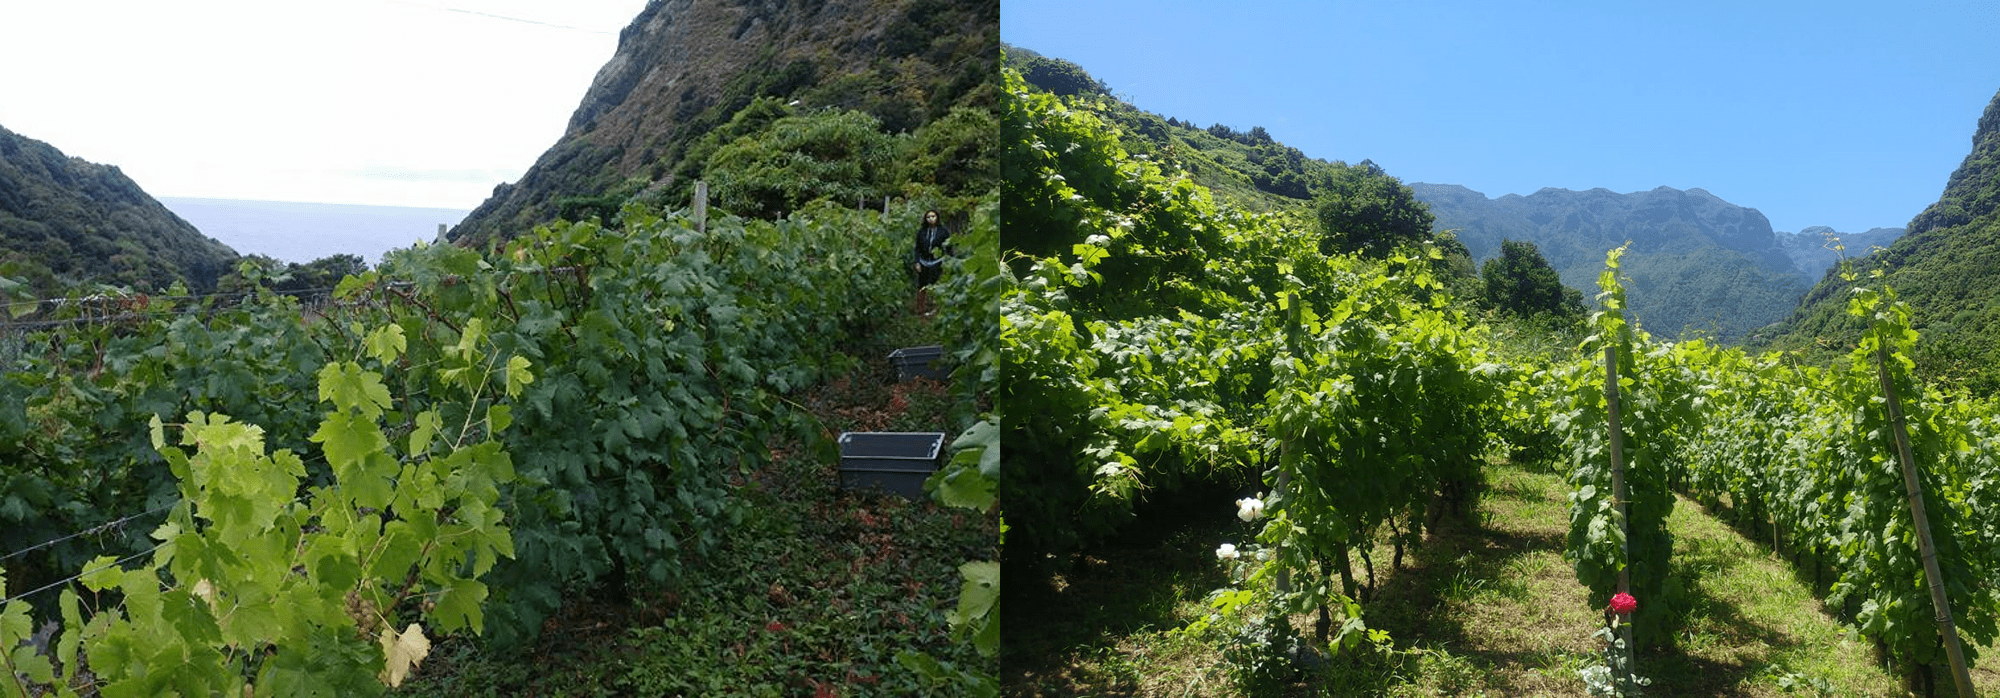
[1284, 479]
[1959, 674]
[700, 206]
[1618, 485]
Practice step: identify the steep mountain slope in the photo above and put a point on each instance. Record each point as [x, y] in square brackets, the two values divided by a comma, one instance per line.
[1810, 252]
[1947, 267]
[684, 68]
[1697, 262]
[65, 221]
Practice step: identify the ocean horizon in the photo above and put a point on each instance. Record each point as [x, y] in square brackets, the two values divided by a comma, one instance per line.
[296, 231]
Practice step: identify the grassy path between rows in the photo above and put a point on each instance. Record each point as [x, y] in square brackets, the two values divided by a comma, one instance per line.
[1484, 607]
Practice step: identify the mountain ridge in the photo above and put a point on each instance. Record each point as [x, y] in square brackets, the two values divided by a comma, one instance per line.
[1811, 253]
[1696, 261]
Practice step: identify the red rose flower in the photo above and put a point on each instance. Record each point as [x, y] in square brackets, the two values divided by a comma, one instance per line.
[1623, 603]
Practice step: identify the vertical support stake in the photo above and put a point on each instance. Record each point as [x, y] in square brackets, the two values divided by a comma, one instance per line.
[1959, 674]
[701, 206]
[1620, 498]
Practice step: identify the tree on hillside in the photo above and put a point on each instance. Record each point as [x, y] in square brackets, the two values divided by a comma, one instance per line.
[1365, 210]
[1059, 76]
[1521, 282]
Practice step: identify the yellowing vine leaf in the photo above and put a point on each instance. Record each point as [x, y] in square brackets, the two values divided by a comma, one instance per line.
[518, 376]
[403, 653]
[205, 589]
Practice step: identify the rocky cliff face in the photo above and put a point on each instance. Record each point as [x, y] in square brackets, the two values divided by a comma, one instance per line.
[65, 221]
[684, 67]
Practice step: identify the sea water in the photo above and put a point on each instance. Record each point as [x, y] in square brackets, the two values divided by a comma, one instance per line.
[302, 232]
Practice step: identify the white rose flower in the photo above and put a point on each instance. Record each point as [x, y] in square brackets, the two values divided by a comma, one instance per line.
[1249, 508]
[1226, 552]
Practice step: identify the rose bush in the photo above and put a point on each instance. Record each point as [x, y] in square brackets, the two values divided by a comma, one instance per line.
[1250, 508]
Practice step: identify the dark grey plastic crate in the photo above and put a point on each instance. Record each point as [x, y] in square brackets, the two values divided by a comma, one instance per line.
[895, 461]
[912, 362]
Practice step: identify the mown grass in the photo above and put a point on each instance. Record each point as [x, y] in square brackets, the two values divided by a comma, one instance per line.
[1106, 625]
[1486, 606]
[816, 594]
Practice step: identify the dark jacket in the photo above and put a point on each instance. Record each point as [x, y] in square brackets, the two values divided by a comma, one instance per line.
[930, 264]
[929, 240]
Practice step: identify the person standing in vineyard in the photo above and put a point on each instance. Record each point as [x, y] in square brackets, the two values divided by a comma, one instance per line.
[928, 262]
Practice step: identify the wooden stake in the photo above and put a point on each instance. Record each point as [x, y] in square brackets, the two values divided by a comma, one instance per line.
[1284, 479]
[701, 206]
[1946, 628]
[1618, 488]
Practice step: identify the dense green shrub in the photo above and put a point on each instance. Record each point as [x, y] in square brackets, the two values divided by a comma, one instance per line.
[843, 156]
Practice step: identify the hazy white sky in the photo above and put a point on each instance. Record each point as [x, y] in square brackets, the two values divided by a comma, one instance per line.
[389, 102]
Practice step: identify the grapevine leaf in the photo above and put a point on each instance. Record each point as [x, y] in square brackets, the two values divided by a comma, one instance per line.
[963, 487]
[975, 602]
[402, 653]
[499, 417]
[468, 341]
[349, 388]
[518, 377]
[459, 606]
[399, 550]
[14, 622]
[347, 438]
[386, 343]
[101, 573]
[428, 423]
[73, 629]
[35, 666]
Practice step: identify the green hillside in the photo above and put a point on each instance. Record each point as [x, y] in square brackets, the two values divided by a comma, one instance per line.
[1947, 267]
[1697, 263]
[65, 221]
[1247, 168]
[774, 105]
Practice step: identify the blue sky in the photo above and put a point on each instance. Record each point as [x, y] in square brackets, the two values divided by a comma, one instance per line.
[1845, 114]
